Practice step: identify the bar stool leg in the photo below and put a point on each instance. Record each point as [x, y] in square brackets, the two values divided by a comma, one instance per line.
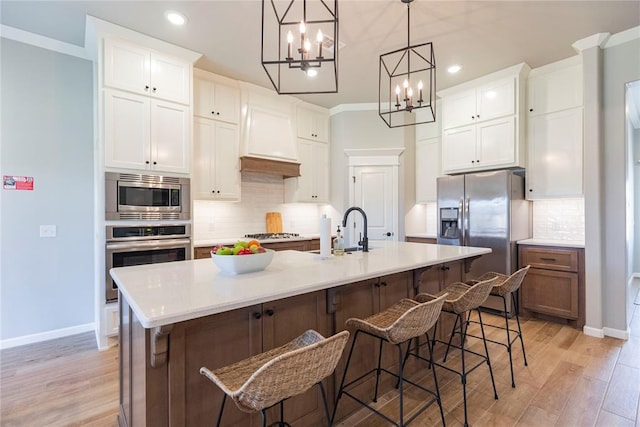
[486, 349]
[458, 318]
[435, 377]
[375, 394]
[513, 298]
[224, 400]
[506, 322]
[282, 413]
[326, 406]
[263, 414]
[344, 376]
[400, 381]
[463, 376]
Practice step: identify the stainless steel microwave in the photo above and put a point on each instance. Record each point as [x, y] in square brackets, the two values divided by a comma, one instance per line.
[146, 197]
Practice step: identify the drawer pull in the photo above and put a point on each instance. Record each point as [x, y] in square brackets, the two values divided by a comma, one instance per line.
[548, 259]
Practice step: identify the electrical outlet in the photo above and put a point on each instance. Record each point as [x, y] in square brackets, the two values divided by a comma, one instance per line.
[47, 231]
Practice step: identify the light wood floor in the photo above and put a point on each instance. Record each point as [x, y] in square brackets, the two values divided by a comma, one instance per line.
[571, 380]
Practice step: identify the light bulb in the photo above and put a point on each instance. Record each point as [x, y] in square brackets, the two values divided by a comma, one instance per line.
[319, 36]
[420, 85]
[307, 45]
[289, 37]
[311, 72]
[303, 28]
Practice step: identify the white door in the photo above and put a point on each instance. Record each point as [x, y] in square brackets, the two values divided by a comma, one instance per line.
[374, 192]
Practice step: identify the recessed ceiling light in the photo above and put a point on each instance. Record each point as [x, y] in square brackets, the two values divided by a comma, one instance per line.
[454, 69]
[176, 18]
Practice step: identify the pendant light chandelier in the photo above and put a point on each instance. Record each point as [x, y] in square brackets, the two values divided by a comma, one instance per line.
[406, 92]
[299, 49]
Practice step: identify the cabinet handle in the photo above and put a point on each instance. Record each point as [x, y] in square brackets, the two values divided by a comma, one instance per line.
[147, 162]
[548, 259]
[531, 189]
[473, 161]
[269, 312]
[478, 116]
[154, 90]
[473, 117]
[218, 191]
[213, 112]
[146, 87]
[477, 161]
[530, 109]
[155, 163]
[218, 113]
[377, 285]
[257, 315]
[384, 284]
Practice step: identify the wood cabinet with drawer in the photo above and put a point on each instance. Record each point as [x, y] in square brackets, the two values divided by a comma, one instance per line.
[554, 286]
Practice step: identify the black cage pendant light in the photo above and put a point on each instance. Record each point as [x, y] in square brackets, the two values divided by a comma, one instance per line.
[300, 45]
[406, 92]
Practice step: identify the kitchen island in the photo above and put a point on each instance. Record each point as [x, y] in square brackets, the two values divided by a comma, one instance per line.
[176, 317]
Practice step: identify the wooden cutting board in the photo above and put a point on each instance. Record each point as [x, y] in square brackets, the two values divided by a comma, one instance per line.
[274, 222]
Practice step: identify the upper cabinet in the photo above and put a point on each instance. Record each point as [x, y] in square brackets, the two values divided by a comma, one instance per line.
[312, 123]
[555, 89]
[215, 97]
[555, 131]
[146, 134]
[487, 102]
[140, 70]
[481, 122]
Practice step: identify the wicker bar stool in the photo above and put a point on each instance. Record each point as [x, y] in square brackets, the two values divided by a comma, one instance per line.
[264, 380]
[461, 299]
[400, 323]
[503, 286]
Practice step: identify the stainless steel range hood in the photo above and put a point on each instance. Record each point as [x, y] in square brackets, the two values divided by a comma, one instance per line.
[268, 166]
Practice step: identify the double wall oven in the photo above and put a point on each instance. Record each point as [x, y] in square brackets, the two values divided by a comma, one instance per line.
[147, 222]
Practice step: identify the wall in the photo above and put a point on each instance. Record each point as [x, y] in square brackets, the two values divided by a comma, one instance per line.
[366, 130]
[47, 133]
[261, 193]
[635, 147]
[621, 65]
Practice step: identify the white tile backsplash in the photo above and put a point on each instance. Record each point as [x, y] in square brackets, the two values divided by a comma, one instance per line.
[432, 218]
[558, 219]
[261, 193]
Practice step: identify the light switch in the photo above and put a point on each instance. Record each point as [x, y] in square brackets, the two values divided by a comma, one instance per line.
[47, 231]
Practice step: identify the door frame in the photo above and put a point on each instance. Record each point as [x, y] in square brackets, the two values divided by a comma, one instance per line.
[377, 157]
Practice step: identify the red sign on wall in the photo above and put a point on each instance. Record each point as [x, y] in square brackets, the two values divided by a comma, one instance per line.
[17, 182]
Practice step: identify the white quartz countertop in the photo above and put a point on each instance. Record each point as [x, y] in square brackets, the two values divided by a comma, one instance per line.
[546, 242]
[166, 293]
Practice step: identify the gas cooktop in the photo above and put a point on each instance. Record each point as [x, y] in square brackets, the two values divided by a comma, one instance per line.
[265, 236]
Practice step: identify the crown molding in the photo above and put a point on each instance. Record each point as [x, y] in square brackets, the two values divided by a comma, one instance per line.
[43, 42]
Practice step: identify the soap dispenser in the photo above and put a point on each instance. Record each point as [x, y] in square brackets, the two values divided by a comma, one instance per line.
[338, 244]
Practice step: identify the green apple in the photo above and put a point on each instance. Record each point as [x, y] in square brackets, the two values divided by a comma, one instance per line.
[241, 244]
[224, 251]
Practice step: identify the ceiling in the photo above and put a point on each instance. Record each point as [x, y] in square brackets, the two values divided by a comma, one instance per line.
[481, 36]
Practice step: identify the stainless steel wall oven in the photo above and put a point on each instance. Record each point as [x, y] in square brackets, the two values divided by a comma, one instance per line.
[146, 197]
[136, 245]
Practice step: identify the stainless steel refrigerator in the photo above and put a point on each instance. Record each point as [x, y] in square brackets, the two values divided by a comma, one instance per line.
[485, 209]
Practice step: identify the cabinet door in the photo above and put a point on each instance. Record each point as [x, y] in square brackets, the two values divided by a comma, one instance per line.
[459, 149]
[216, 167]
[495, 143]
[459, 109]
[321, 174]
[551, 292]
[284, 320]
[226, 162]
[126, 130]
[126, 66]
[427, 169]
[170, 78]
[307, 171]
[554, 166]
[312, 124]
[170, 137]
[214, 342]
[215, 100]
[496, 100]
[269, 134]
[356, 300]
[555, 91]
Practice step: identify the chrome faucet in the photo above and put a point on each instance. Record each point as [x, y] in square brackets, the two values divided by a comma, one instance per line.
[364, 242]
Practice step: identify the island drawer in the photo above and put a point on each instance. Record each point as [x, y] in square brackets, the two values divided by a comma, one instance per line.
[559, 259]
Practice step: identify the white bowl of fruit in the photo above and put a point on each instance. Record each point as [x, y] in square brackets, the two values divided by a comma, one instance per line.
[243, 257]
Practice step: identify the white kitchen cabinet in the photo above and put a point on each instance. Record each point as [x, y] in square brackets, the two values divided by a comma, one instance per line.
[216, 165]
[554, 167]
[312, 123]
[427, 169]
[486, 102]
[487, 145]
[140, 70]
[215, 99]
[313, 183]
[145, 134]
[554, 90]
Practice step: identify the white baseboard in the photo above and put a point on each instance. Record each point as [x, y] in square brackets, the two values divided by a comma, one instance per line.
[593, 332]
[616, 333]
[45, 336]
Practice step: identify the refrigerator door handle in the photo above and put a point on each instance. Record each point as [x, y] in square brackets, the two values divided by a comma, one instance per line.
[461, 216]
[466, 222]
